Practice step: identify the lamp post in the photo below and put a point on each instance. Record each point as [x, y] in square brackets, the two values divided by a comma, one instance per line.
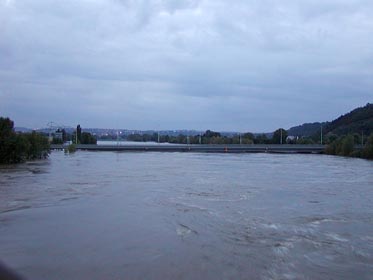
[362, 138]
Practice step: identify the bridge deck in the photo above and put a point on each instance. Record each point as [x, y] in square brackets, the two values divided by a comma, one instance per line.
[315, 149]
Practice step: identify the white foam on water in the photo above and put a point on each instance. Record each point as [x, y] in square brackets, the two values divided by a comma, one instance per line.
[336, 237]
[271, 226]
[283, 248]
[183, 230]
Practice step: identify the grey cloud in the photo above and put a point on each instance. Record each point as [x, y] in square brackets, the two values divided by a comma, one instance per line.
[245, 65]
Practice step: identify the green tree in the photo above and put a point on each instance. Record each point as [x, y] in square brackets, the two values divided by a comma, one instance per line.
[88, 138]
[210, 133]
[15, 148]
[248, 135]
[347, 145]
[343, 146]
[368, 148]
[79, 134]
[305, 141]
[7, 140]
[261, 139]
[331, 148]
[279, 136]
[39, 146]
[330, 138]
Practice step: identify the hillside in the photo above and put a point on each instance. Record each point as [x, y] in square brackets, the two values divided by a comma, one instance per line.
[306, 129]
[357, 121]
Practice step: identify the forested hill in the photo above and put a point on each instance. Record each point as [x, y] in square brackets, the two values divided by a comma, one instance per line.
[306, 129]
[357, 121]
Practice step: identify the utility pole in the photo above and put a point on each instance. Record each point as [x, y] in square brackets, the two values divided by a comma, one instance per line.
[240, 139]
[200, 139]
[362, 138]
[281, 136]
[321, 135]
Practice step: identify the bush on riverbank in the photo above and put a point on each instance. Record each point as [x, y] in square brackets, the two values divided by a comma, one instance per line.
[70, 149]
[344, 146]
[367, 152]
[19, 147]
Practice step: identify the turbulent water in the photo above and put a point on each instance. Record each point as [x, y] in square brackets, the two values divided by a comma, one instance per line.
[106, 215]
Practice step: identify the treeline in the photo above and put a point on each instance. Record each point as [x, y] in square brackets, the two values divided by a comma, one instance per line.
[185, 139]
[212, 137]
[345, 146]
[19, 147]
[87, 138]
[80, 137]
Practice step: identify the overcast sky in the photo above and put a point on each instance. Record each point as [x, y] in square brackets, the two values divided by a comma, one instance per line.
[250, 65]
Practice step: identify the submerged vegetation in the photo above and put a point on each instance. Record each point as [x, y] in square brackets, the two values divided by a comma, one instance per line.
[345, 146]
[19, 147]
[70, 149]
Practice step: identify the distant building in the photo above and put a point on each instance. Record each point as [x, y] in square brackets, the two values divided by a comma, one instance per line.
[58, 135]
[291, 139]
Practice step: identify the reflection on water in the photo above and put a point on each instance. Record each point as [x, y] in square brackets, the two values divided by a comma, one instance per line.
[103, 215]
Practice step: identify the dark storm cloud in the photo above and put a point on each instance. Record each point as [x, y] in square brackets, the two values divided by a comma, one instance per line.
[241, 65]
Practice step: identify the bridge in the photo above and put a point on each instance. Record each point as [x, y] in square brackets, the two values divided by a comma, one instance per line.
[204, 148]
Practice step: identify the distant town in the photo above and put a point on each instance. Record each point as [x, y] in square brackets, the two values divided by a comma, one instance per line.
[349, 135]
[358, 122]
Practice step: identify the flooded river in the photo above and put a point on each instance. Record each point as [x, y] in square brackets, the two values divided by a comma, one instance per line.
[107, 215]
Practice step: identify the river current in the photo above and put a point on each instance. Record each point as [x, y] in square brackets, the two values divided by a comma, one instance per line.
[111, 215]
